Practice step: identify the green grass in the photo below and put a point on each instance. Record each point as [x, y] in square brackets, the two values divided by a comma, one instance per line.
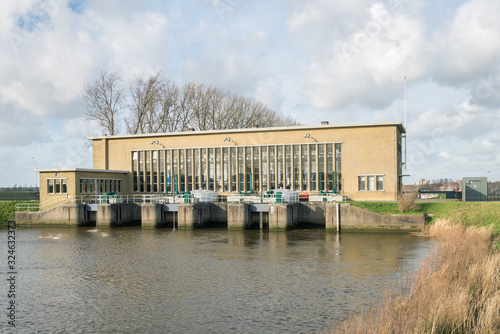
[8, 212]
[469, 214]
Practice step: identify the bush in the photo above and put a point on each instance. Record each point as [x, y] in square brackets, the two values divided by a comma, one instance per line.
[406, 201]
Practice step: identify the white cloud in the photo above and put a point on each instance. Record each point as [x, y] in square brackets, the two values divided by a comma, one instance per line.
[471, 46]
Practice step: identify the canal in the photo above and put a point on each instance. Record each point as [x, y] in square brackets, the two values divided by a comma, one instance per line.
[133, 280]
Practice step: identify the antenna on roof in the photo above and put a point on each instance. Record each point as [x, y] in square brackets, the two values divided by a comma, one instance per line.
[405, 100]
[405, 119]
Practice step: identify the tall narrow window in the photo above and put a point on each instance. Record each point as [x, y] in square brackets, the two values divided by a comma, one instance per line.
[135, 174]
[288, 167]
[182, 171]
[175, 171]
[155, 171]
[264, 167]
[50, 186]
[210, 169]
[168, 163]
[241, 169]
[361, 183]
[189, 169]
[330, 182]
[204, 183]
[196, 171]
[312, 159]
[304, 166]
[248, 168]
[148, 172]
[279, 168]
[218, 171]
[233, 168]
[162, 171]
[321, 167]
[338, 166]
[380, 182]
[272, 167]
[57, 186]
[371, 183]
[296, 167]
[256, 169]
[141, 172]
[225, 168]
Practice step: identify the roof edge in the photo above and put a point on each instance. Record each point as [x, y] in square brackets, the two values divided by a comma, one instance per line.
[246, 130]
[81, 170]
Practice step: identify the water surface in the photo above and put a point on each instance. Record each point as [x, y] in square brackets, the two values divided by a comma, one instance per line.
[133, 280]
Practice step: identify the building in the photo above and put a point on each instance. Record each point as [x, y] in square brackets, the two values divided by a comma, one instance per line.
[361, 161]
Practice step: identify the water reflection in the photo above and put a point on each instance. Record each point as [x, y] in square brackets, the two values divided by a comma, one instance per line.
[202, 281]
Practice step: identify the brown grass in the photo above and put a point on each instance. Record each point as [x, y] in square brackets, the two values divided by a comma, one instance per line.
[455, 290]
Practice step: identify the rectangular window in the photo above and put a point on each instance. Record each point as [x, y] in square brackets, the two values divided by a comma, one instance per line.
[182, 171]
[248, 168]
[196, 171]
[330, 184]
[380, 183]
[50, 186]
[162, 171]
[371, 183]
[264, 167]
[279, 169]
[241, 169]
[189, 169]
[361, 183]
[296, 167]
[64, 189]
[135, 174]
[218, 173]
[256, 169]
[272, 168]
[81, 186]
[288, 167]
[338, 166]
[304, 166]
[225, 168]
[204, 184]
[155, 171]
[312, 159]
[148, 172]
[210, 169]
[321, 167]
[57, 186]
[141, 172]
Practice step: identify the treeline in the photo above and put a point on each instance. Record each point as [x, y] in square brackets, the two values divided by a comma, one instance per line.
[155, 104]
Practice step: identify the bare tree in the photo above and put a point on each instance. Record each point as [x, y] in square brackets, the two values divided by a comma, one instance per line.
[159, 105]
[104, 101]
[146, 94]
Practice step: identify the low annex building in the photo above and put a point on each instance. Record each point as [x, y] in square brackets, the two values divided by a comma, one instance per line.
[361, 161]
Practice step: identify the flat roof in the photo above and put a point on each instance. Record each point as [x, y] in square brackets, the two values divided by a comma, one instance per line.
[61, 170]
[249, 130]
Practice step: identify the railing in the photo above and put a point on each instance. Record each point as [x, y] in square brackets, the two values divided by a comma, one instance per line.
[180, 198]
[28, 207]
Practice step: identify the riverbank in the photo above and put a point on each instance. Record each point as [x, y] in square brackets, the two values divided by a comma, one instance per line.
[456, 289]
[480, 214]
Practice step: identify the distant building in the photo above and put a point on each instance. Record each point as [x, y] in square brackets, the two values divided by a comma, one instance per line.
[362, 161]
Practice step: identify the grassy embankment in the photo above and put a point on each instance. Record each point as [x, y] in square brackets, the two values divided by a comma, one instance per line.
[8, 212]
[455, 290]
[467, 214]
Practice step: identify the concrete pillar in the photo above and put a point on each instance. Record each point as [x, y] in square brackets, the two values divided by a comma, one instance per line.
[151, 216]
[331, 217]
[238, 216]
[187, 216]
[108, 216]
[280, 217]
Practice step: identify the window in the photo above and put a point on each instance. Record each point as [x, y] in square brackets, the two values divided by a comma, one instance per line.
[380, 182]
[361, 183]
[370, 182]
[57, 186]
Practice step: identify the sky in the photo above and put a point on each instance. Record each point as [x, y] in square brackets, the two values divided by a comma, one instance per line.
[340, 61]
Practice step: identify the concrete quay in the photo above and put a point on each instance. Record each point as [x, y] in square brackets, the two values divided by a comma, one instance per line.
[233, 216]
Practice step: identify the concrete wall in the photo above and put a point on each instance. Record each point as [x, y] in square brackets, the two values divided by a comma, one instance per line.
[152, 216]
[312, 213]
[354, 218]
[238, 216]
[114, 215]
[64, 215]
[281, 217]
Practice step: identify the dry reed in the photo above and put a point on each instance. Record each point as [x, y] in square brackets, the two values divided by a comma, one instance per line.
[455, 290]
